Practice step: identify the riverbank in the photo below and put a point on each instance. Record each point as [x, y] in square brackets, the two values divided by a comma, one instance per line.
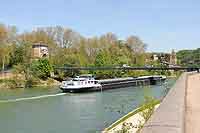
[134, 120]
[14, 84]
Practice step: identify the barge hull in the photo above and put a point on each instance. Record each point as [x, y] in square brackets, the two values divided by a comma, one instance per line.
[119, 83]
[85, 89]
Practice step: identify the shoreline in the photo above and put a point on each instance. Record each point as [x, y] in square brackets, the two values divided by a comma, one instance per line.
[10, 84]
[133, 121]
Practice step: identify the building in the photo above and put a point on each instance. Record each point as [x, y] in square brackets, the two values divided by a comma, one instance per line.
[166, 58]
[173, 59]
[39, 50]
[155, 57]
[161, 57]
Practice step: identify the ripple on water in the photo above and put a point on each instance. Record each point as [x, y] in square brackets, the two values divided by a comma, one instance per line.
[73, 113]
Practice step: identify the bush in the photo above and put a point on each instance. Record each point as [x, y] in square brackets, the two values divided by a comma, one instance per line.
[8, 83]
[41, 68]
[32, 81]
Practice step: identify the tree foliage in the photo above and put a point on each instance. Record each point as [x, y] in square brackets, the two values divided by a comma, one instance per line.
[189, 57]
[41, 68]
[68, 48]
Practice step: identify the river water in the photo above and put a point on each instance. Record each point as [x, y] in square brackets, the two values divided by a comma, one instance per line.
[48, 110]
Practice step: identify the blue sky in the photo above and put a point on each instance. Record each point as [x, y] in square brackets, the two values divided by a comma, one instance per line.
[162, 24]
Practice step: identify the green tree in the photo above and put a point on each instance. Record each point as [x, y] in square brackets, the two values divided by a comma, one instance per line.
[17, 55]
[189, 58]
[41, 68]
[5, 51]
[102, 59]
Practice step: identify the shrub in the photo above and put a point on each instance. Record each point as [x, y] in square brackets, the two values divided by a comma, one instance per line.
[41, 68]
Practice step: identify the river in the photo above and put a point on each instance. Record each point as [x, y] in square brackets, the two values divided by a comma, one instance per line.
[48, 110]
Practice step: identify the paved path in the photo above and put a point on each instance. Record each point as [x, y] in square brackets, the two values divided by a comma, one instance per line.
[179, 112]
[192, 123]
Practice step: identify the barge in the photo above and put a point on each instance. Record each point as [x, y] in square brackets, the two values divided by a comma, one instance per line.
[86, 83]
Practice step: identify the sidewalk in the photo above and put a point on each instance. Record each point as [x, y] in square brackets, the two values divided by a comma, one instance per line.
[192, 117]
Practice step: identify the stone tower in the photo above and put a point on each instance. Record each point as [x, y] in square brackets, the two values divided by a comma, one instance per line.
[173, 59]
[39, 50]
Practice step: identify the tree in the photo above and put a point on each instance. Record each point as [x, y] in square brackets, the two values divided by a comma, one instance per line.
[17, 55]
[68, 47]
[102, 59]
[138, 48]
[189, 57]
[3, 33]
[135, 44]
[92, 47]
[107, 40]
[41, 68]
[63, 37]
[5, 51]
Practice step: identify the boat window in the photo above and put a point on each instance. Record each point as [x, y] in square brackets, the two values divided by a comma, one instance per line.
[78, 79]
[85, 76]
[95, 82]
[70, 84]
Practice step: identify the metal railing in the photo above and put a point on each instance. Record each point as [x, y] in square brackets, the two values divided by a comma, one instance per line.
[129, 68]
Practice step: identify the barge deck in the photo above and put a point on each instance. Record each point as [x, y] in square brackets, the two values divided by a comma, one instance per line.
[130, 81]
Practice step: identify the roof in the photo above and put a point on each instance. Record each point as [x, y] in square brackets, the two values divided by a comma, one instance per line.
[39, 45]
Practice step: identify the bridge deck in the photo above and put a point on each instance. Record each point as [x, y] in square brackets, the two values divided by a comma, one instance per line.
[192, 123]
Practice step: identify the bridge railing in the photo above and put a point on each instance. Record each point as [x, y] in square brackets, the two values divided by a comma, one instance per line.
[128, 68]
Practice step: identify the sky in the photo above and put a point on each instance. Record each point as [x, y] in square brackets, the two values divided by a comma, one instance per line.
[162, 24]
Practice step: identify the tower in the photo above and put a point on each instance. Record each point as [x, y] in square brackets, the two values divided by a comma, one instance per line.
[39, 51]
[173, 59]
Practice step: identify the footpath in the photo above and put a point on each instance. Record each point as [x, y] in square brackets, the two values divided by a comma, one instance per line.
[192, 120]
[179, 112]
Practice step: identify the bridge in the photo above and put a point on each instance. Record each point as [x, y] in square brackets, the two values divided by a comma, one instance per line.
[176, 68]
[179, 112]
